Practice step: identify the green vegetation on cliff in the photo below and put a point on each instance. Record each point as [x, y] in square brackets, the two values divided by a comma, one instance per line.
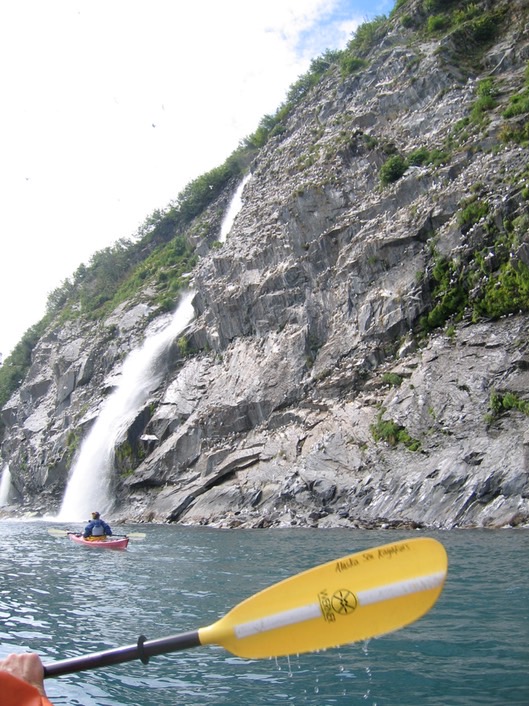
[16, 366]
[158, 256]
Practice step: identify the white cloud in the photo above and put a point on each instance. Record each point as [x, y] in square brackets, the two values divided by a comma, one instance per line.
[110, 107]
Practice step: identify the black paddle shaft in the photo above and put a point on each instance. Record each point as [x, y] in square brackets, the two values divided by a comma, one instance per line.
[143, 649]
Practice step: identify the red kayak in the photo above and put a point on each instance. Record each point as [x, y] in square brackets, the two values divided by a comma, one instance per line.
[103, 543]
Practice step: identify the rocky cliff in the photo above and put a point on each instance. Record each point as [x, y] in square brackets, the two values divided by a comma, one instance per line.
[359, 351]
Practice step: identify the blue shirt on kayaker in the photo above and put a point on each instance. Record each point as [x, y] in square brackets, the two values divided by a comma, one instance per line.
[97, 527]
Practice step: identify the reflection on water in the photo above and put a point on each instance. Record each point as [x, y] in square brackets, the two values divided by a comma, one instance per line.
[62, 600]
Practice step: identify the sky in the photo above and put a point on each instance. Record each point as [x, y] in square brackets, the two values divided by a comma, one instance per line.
[111, 107]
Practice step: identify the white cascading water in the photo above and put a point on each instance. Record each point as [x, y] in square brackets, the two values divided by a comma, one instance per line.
[233, 209]
[90, 485]
[5, 486]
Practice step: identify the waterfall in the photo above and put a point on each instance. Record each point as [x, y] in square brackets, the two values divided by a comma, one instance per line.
[233, 209]
[5, 486]
[90, 485]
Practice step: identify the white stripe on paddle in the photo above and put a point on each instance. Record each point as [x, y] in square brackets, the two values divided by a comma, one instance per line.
[313, 610]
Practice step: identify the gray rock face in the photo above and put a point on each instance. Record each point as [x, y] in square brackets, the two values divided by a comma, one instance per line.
[310, 361]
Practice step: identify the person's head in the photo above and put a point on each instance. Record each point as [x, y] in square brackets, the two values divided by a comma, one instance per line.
[95, 516]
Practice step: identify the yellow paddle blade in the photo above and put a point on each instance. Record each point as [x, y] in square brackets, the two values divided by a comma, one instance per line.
[56, 532]
[360, 596]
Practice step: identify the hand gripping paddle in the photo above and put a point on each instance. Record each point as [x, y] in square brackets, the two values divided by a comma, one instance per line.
[354, 598]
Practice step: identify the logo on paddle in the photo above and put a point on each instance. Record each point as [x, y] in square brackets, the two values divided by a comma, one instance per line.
[342, 602]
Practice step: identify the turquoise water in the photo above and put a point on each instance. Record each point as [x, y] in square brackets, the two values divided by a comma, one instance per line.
[62, 600]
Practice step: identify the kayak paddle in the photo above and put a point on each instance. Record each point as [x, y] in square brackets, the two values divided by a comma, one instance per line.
[357, 597]
[56, 532]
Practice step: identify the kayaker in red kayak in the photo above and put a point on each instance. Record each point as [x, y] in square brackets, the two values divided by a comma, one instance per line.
[97, 528]
[22, 681]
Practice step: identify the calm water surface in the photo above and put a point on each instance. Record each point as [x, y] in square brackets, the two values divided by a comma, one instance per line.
[62, 600]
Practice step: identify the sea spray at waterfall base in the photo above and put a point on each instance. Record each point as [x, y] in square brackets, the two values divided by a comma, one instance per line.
[90, 485]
